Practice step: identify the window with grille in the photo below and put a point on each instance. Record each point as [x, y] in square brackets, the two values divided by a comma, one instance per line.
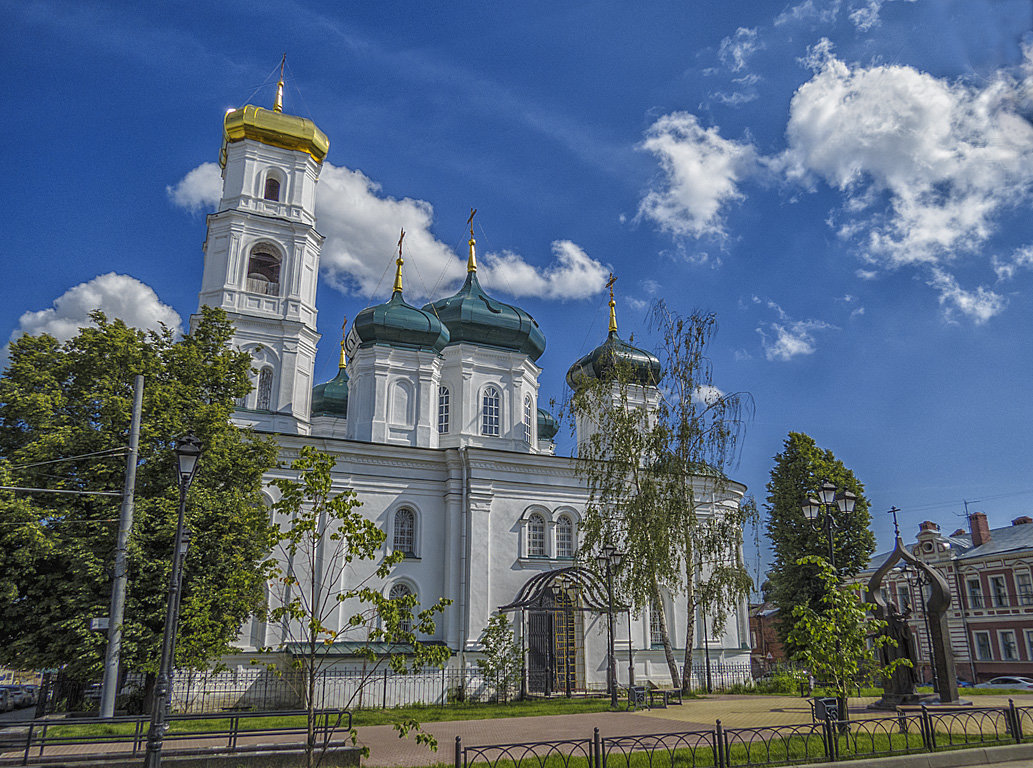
[536, 535]
[265, 390]
[565, 537]
[527, 419]
[490, 412]
[397, 592]
[443, 409]
[656, 635]
[405, 532]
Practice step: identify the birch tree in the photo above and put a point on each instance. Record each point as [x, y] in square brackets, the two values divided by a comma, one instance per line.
[655, 475]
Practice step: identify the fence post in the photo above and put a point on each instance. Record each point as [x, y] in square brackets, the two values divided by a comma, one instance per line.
[444, 689]
[459, 752]
[719, 746]
[831, 737]
[597, 750]
[385, 690]
[1015, 724]
[927, 729]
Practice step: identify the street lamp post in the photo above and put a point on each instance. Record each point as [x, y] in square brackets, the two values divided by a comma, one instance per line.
[829, 498]
[610, 559]
[188, 453]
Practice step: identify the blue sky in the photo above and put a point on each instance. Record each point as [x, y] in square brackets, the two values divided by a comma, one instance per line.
[846, 183]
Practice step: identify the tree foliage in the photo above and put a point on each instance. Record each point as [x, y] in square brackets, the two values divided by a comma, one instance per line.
[64, 420]
[798, 471]
[655, 474]
[320, 534]
[831, 638]
[501, 662]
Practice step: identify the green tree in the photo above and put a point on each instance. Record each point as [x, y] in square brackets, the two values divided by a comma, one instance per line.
[64, 421]
[831, 638]
[798, 471]
[501, 663]
[320, 534]
[655, 478]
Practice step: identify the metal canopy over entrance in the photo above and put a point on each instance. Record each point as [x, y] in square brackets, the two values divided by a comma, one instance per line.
[552, 607]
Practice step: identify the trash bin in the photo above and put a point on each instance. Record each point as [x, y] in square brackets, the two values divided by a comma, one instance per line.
[825, 707]
[636, 696]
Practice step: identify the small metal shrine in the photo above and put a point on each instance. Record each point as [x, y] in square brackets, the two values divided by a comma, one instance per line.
[899, 688]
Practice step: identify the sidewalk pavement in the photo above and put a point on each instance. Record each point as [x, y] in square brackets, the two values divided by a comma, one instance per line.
[387, 749]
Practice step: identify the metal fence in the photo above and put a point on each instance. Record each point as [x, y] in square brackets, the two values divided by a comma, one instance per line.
[906, 732]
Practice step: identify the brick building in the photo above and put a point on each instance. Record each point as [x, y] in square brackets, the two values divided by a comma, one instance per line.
[991, 614]
[766, 648]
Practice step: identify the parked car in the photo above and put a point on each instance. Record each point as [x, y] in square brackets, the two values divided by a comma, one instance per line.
[18, 696]
[1015, 683]
[6, 702]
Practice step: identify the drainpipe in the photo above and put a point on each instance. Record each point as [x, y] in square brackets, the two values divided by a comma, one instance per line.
[464, 618]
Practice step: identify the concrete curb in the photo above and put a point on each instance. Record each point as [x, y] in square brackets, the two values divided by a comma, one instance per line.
[958, 758]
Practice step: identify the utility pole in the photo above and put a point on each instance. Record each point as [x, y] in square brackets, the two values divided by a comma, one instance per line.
[118, 586]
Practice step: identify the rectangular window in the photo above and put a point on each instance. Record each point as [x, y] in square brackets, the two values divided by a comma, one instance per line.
[1009, 648]
[490, 412]
[656, 637]
[443, 408]
[983, 650]
[1024, 585]
[1000, 591]
[975, 593]
[1029, 643]
[903, 598]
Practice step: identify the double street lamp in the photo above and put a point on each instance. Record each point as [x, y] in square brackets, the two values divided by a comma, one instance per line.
[609, 560]
[830, 498]
[188, 454]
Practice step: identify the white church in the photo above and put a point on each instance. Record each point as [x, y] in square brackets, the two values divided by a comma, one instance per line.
[434, 423]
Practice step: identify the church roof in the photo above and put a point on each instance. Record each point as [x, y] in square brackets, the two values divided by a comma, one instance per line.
[548, 425]
[331, 397]
[269, 126]
[399, 324]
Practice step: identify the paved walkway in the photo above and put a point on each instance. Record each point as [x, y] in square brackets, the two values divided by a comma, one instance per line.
[386, 749]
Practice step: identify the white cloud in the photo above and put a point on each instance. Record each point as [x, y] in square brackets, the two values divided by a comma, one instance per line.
[707, 395]
[822, 11]
[702, 172]
[117, 296]
[1022, 258]
[361, 226]
[736, 50]
[786, 338]
[925, 166]
[978, 305]
[199, 189]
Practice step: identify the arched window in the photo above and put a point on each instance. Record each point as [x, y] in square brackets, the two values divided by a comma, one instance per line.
[263, 271]
[443, 408]
[656, 635]
[272, 189]
[398, 591]
[536, 536]
[565, 537]
[265, 390]
[527, 419]
[405, 532]
[490, 412]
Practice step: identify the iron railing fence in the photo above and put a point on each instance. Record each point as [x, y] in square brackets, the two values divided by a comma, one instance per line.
[904, 733]
[70, 740]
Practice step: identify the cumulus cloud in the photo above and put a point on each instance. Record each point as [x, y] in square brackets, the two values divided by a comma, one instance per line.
[1022, 258]
[701, 176]
[925, 165]
[785, 338]
[361, 226]
[736, 50]
[200, 189]
[707, 395]
[978, 305]
[117, 296]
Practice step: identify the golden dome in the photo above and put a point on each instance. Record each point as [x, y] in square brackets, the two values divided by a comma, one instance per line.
[274, 128]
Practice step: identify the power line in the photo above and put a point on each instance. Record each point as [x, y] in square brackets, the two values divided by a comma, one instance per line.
[56, 490]
[105, 453]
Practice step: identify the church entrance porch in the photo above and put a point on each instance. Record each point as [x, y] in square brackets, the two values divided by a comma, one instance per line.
[552, 608]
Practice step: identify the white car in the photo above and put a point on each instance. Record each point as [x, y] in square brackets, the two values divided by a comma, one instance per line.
[1012, 683]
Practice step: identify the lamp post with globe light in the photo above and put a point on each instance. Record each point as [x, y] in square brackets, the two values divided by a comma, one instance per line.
[188, 454]
[830, 498]
[609, 560]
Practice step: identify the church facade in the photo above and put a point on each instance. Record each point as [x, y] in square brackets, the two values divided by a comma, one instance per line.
[434, 421]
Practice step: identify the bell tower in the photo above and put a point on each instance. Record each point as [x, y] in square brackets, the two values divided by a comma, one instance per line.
[261, 257]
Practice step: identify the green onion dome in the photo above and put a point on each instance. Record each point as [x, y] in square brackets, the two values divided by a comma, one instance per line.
[398, 324]
[548, 425]
[331, 397]
[473, 317]
[644, 368]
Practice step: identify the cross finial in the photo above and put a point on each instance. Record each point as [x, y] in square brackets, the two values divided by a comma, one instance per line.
[278, 105]
[398, 264]
[896, 527]
[471, 261]
[344, 338]
[613, 304]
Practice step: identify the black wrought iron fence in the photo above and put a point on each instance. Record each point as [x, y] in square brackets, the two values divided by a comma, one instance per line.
[906, 732]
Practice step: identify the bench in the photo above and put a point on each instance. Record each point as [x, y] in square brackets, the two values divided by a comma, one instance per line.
[662, 697]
